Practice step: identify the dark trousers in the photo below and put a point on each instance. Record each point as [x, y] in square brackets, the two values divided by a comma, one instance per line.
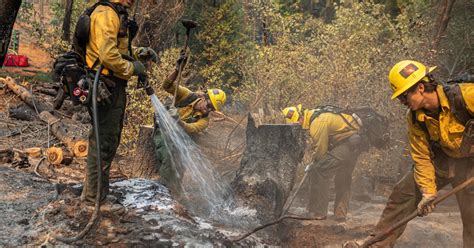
[339, 162]
[406, 196]
[110, 129]
[169, 176]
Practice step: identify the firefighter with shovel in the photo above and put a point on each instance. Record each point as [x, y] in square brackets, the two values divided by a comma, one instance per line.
[339, 136]
[441, 137]
[190, 109]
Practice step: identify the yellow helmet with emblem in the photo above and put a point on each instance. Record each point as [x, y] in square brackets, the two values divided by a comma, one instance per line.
[292, 114]
[405, 74]
[217, 97]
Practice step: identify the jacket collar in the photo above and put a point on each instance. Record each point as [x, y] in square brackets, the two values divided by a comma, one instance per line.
[443, 101]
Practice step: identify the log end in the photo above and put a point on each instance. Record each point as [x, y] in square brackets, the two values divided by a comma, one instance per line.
[55, 155]
[80, 148]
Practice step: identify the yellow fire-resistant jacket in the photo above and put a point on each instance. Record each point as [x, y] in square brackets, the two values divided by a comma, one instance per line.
[447, 132]
[328, 128]
[191, 120]
[105, 45]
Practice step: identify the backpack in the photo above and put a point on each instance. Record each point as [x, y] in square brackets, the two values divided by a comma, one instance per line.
[71, 69]
[375, 126]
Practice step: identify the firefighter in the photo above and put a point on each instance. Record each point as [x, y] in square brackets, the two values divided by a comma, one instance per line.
[339, 137]
[191, 111]
[435, 134]
[108, 45]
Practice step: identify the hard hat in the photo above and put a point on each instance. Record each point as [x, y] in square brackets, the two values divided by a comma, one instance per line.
[405, 74]
[217, 97]
[292, 114]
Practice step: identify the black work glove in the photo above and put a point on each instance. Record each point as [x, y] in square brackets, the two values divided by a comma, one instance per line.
[139, 69]
[182, 60]
[146, 54]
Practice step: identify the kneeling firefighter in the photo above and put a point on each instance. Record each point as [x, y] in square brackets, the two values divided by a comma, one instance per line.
[339, 136]
[191, 111]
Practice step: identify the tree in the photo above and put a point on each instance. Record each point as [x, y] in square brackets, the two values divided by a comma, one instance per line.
[8, 13]
[67, 20]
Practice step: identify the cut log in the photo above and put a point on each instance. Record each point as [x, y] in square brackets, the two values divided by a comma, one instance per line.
[77, 145]
[33, 152]
[268, 168]
[57, 156]
[22, 112]
[26, 96]
[144, 162]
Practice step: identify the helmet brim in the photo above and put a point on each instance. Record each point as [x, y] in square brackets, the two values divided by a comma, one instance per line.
[399, 92]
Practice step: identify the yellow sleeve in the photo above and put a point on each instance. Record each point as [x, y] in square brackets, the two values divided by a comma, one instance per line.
[424, 170]
[467, 90]
[320, 135]
[170, 86]
[195, 127]
[105, 25]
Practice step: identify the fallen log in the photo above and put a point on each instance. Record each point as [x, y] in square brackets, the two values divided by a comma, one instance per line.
[26, 96]
[144, 163]
[77, 145]
[57, 156]
[22, 112]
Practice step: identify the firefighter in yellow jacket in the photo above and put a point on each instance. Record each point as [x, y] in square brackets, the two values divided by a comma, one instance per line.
[436, 122]
[191, 111]
[108, 44]
[339, 137]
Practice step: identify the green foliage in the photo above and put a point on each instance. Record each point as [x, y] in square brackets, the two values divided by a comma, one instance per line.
[48, 34]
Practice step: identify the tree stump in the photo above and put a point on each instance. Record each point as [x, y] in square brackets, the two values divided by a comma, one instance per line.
[268, 168]
[144, 162]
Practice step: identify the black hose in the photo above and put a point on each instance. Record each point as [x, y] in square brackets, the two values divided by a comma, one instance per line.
[95, 119]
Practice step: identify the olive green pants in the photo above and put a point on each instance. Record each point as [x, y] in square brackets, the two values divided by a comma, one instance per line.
[110, 128]
[169, 176]
[406, 196]
[338, 162]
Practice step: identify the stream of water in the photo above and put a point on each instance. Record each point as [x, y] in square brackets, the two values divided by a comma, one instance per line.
[199, 182]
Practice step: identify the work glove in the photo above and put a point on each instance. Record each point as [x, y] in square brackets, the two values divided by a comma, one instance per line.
[139, 69]
[173, 112]
[146, 54]
[426, 206]
[182, 60]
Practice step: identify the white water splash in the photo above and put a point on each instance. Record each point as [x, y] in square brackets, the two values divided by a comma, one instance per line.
[198, 178]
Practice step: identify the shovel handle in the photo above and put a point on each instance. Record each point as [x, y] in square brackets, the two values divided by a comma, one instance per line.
[380, 236]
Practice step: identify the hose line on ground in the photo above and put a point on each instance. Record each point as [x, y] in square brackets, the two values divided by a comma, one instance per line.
[95, 120]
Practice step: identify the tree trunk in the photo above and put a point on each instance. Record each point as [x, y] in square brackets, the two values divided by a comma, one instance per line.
[77, 145]
[8, 12]
[144, 162]
[268, 167]
[26, 96]
[67, 20]
[442, 22]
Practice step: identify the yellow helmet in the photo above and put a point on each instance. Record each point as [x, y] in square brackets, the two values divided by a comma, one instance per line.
[217, 97]
[405, 74]
[292, 114]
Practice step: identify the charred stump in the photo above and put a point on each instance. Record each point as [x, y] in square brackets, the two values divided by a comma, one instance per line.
[268, 167]
[144, 162]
